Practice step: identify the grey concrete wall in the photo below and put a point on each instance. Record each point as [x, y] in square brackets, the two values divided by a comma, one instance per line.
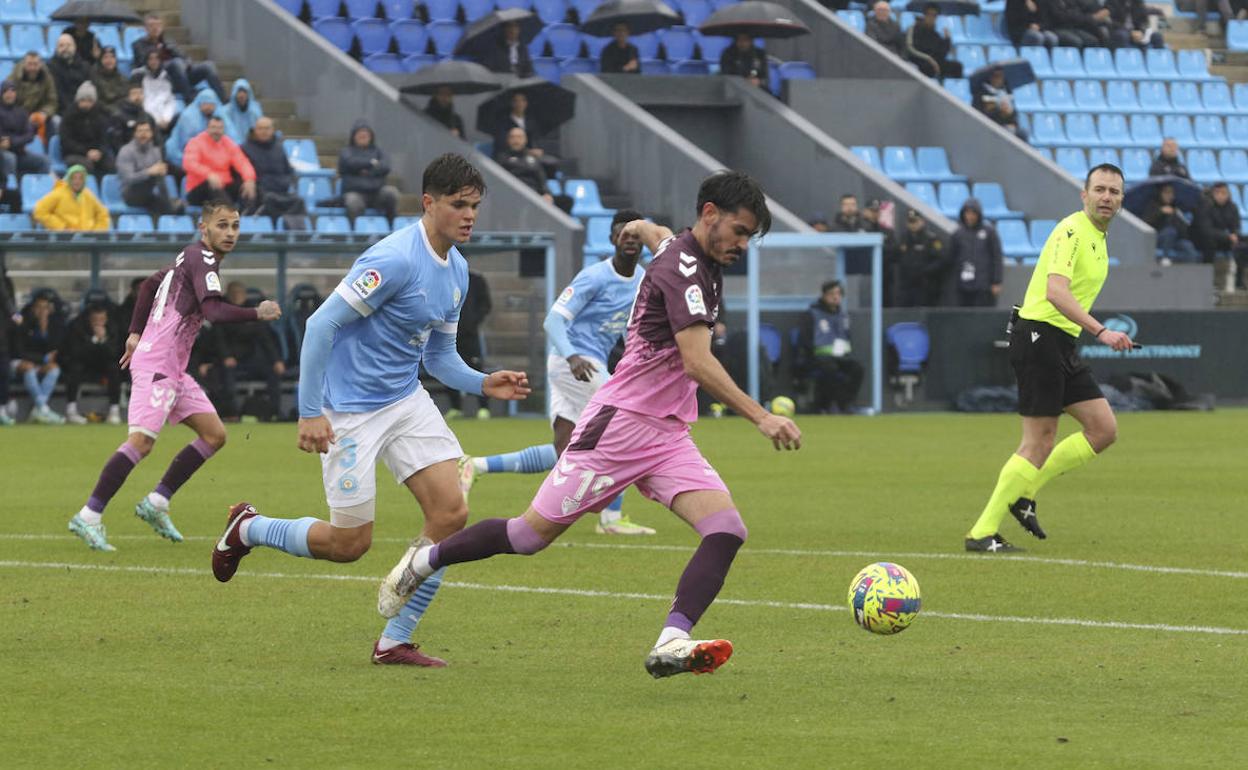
[285, 57]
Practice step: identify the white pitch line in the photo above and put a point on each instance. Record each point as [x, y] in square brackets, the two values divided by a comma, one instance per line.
[980, 558]
[666, 598]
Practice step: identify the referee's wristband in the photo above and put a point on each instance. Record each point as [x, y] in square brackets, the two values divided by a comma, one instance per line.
[1098, 334]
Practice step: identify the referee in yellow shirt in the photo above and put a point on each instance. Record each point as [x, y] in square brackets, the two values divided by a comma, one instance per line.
[1051, 377]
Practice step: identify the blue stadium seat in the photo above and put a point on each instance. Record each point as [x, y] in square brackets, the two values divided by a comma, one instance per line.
[314, 189]
[992, 198]
[924, 191]
[584, 8]
[598, 235]
[1112, 129]
[1089, 96]
[868, 154]
[253, 224]
[1099, 155]
[647, 45]
[1237, 35]
[899, 163]
[175, 223]
[418, 61]
[1001, 53]
[971, 56]
[1015, 243]
[1081, 129]
[444, 34]
[110, 196]
[523, 5]
[410, 35]
[854, 20]
[441, 10]
[655, 67]
[361, 9]
[1047, 129]
[585, 199]
[1135, 163]
[401, 222]
[554, 187]
[546, 67]
[336, 31]
[906, 19]
[34, 187]
[952, 25]
[1160, 62]
[1072, 160]
[1154, 97]
[959, 87]
[475, 9]
[28, 37]
[678, 43]
[1233, 165]
[594, 45]
[1193, 65]
[691, 67]
[1185, 97]
[797, 70]
[373, 34]
[384, 63]
[694, 11]
[16, 12]
[979, 29]
[951, 196]
[537, 46]
[1067, 63]
[1237, 130]
[576, 66]
[372, 225]
[304, 157]
[551, 11]
[1240, 91]
[711, 46]
[108, 35]
[399, 9]
[1038, 231]
[564, 39]
[1027, 98]
[933, 164]
[134, 223]
[1203, 166]
[1130, 63]
[333, 224]
[1179, 127]
[1099, 63]
[323, 9]
[9, 222]
[1039, 58]
[1057, 95]
[912, 344]
[1209, 131]
[1120, 96]
[1216, 97]
[131, 34]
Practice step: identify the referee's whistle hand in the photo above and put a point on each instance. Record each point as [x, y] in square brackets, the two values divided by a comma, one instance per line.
[1116, 340]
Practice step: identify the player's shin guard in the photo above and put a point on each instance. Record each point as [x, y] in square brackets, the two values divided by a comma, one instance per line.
[189, 460]
[485, 539]
[113, 476]
[534, 459]
[723, 533]
[1017, 476]
[401, 627]
[289, 535]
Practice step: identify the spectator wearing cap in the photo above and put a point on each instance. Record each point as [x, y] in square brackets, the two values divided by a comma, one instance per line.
[182, 72]
[977, 259]
[923, 264]
[84, 133]
[510, 55]
[620, 55]
[929, 49]
[69, 205]
[142, 170]
[217, 167]
[110, 84]
[746, 60]
[68, 71]
[884, 29]
[16, 133]
[441, 108]
[158, 98]
[85, 43]
[994, 98]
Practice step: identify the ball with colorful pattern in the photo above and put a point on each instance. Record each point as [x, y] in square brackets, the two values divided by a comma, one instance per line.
[884, 598]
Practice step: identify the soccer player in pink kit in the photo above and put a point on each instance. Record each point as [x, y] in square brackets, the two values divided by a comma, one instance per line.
[172, 305]
[636, 428]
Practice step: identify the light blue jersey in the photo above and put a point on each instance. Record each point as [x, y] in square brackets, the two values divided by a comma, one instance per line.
[405, 293]
[596, 305]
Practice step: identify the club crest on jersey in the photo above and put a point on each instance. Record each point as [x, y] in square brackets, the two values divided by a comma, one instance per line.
[456, 296]
[213, 281]
[367, 283]
[693, 299]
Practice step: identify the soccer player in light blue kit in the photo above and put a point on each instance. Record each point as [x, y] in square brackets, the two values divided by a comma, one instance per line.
[586, 322]
[360, 397]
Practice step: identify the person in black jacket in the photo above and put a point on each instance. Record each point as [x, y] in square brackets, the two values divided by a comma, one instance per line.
[745, 59]
[16, 133]
[363, 168]
[1217, 227]
[182, 73]
[1129, 25]
[1077, 23]
[275, 177]
[441, 108]
[1173, 236]
[923, 264]
[68, 71]
[247, 351]
[93, 346]
[993, 97]
[929, 49]
[823, 350]
[39, 339]
[1168, 162]
[477, 307]
[621, 55]
[975, 253]
[84, 134]
[510, 55]
[1024, 24]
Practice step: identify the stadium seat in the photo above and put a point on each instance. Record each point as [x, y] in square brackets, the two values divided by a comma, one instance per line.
[537, 46]
[711, 46]
[899, 164]
[854, 20]
[1027, 98]
[1237, 130]
[304, 157]
[1081, 129]
[110, 196]
[410, 36]
[418, 61]
[1120, 96]
[134, 223]
[384, 63]
[1099, 63]
[373, 34]
[971, 56]
[445, 35]
[1135, 163]
[1216, 97]
[1193, 65]
[1089, 96]
[577, 66]
[551, 11]
[694, 11]
[401, 222]
[959, 87]
[1072, 160]
[1038, 231]
[678, 43]
[554, 187]
[1057, 96]
[28, 37]
[979, 29]
[131, 34]
[1203, 166]
[108, 35]
[1039, 58]
[594, 45]
[647, 45]
[314, 189]
[1001, 53]
[1130, 64]
[372, 224]
[399, 9]
[1067, 63]
[34, 187]
[1240, 92]
[952, 25]
[1233, 165]
[1112, 129]
[1179, 127]
[564, 40]
[1145, 130]
[772, 341]
[254, 224]
[323, 9]
[906, 19]
[1160, 63]
[1185, 97]
[546, 67]
[16, 12]
[992, 198]
[523, 5]
[869, 155]
[925, 192]
[475, 9]
[691, 67]
[336, 31]
[584, 8]
[1047, 129]
[797, 70]
[175, 223]
[361, 9]
[333, 224]
[1015, 243]
[1154, 97]
[910, 345]
[598, 235]
[585, 200]
[1237, 35]
[1099, 155]
[10, 222]
[950, 196]
[933, 164]
[441, 10]
[1209, 131]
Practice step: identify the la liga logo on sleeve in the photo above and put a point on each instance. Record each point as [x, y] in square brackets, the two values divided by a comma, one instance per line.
[213, 281]
[366, 283]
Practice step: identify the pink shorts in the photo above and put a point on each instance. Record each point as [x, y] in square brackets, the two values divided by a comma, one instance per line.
[613, 448]
[156, 399]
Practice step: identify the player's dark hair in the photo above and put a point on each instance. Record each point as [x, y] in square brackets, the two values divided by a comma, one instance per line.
[1106, 167]
[624, 216]
[215, 205]
[731, 191]
[849, 195]
[450, 173]
[829, 286]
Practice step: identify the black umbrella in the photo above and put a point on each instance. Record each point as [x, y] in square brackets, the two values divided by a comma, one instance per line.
[947, 7]
[482, 35]
[641, 16]
[462, 77]
[1018, 72]
[97, 11]
[549, 105]
[1139, 195]
[755, 18]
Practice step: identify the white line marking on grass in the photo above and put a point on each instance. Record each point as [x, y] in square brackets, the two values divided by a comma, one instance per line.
[980, 558]
[666, 598]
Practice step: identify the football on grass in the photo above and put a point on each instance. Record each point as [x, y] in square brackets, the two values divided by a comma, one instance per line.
[884, 598]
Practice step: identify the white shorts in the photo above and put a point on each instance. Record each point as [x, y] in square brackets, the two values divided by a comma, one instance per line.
[408, 435]
[568, 395]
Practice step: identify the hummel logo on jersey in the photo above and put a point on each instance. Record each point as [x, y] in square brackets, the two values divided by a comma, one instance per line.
[1035, 336]
[210, 260]
[689, 264]
[566, 466]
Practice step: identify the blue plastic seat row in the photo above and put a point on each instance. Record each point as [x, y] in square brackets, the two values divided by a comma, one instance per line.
[1141, 130]
[948, 198]
[1124, 96]
[904, 164]
[1129, 63]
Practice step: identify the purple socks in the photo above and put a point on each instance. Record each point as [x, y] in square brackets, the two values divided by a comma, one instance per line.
[192, 456]
[485, 539]
[113, 476]
[723, 533]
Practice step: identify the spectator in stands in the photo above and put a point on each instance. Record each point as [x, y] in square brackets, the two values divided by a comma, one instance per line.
[1129, 25]
[181, 71]
[476, 308]
[929, 49]
[16, 133]
[976, 256]
[1225, 13]
[363, 168]
[994, 98]
[36, 91]
[85, 42]
[85, 133]
[71, 206]
[441, 108]
[111, 86]
[249, 351]
[923, 264]
[745, 59]
[127, 116]
[519, 117]
[68, 71]
[142, 169]
[1078, 23]
[241, 112]
[158, 98]
[823, 351]
[191, 123]
[93, 345]
[510, 55]
[275, 177]
[847, 219]
[620, 55]
[1173, 238]
[885, 30]
[523, 164]
[39, 339]
[1168, 162]
[1023, 24]
[215, 166]
[1217, 226]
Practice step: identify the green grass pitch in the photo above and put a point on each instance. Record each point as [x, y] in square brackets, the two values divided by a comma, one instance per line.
[1120, 641]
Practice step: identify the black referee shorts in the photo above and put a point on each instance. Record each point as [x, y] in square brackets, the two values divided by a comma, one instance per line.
[1050, 374]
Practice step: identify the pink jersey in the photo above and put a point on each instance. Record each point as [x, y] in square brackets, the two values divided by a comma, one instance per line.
[177, 313]
[682, 287]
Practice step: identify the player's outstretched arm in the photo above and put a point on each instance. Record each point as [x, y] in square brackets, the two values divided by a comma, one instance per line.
[650, 234]
[556, 326]
[694, 343]
[1057, 291]
[315, 433]
[443, 361]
